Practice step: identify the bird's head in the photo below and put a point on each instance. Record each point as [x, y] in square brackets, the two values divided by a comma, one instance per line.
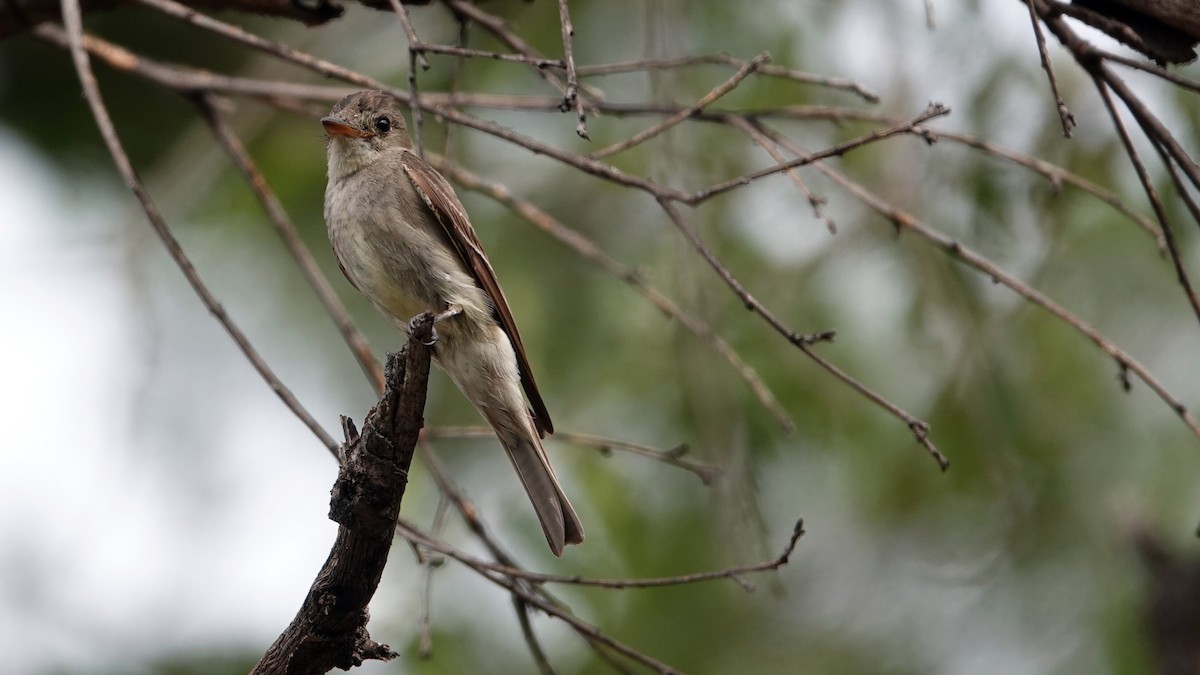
[361, 128]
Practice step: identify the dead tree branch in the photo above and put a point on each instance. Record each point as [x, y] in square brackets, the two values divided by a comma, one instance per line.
[330, 630]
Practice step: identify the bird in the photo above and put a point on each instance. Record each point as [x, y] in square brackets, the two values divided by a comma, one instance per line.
[403, 239]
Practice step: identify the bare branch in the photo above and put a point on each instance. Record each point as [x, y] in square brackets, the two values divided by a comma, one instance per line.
[1151, 195]
[727, 60]
[905, 221]
[410, 531]
[330, 629]
[672, 457]
[716, 93]
[571, 98]
[911, 126]
[1064, 115]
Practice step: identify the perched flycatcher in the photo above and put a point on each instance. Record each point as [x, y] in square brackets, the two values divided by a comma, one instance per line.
[403, 239]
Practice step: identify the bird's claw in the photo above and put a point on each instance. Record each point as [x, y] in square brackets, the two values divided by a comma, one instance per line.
[414, 323]
[449, 312]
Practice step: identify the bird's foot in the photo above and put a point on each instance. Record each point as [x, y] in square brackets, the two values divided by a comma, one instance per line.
[414, 323]
[416, 328]
[450, 311]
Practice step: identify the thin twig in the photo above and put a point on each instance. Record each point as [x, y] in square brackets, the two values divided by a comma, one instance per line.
[240, 35]
[1152, 127]
[716, 93]
[748, 300]
[934, 110]
[571, 98]
[429, 563]
[1091, 59]
[415, 46]
[673, 457]
[815, 201]
[727, 60]
[415, 55]
[1064, 115]
[73, 24]
[535, 646]
[410, 531]
[497, 27]
[919, 428]
[906, 221]
[458, 51]
[1152, 194]
[1173, 78]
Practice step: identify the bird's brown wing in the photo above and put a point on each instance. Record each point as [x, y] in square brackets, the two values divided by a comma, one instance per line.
[450, 214]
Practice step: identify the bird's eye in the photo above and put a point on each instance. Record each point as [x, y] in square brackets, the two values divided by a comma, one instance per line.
[383, 124]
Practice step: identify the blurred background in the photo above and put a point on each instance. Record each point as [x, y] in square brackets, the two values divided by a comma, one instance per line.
[162, 512]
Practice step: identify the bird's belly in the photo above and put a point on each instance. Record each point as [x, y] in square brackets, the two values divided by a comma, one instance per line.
[402, 279]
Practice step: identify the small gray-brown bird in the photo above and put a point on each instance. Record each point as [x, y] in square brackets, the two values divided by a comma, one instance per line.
[403, 239]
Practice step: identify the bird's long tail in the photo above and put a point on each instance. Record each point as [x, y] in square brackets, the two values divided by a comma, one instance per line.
[525, 450]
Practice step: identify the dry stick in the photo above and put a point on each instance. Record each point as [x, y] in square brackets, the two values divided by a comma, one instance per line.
[727, 60]
[520, 590]
[277, 49]
[414, 43]
[1151, 193]
[815, 201]
[414, 534]
[414, 101]
[1165, 74]
[571, 98]
[458, 51]
[590, 251]
[716, 93]
[497, 27]
[535, 647]
[905, 221]
[585, 630]
[1064, 115]
[291, 239]
[185, 79]
[455, 81]
[1056, 175]
[1051, 172]
[73, 23]
[673, 457]
[1153, 127]
[911, 126]
[1091, 59]
[330, 629]
[428, 564]
[919, 428]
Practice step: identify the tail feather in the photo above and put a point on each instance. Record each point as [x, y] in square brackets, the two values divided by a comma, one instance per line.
[554, 511]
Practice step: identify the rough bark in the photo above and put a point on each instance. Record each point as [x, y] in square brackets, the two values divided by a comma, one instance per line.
[330, 630]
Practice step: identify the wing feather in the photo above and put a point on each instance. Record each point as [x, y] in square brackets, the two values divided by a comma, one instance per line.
[439, 196]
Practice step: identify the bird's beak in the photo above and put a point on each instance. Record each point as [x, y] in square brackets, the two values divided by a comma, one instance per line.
[337, 127]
